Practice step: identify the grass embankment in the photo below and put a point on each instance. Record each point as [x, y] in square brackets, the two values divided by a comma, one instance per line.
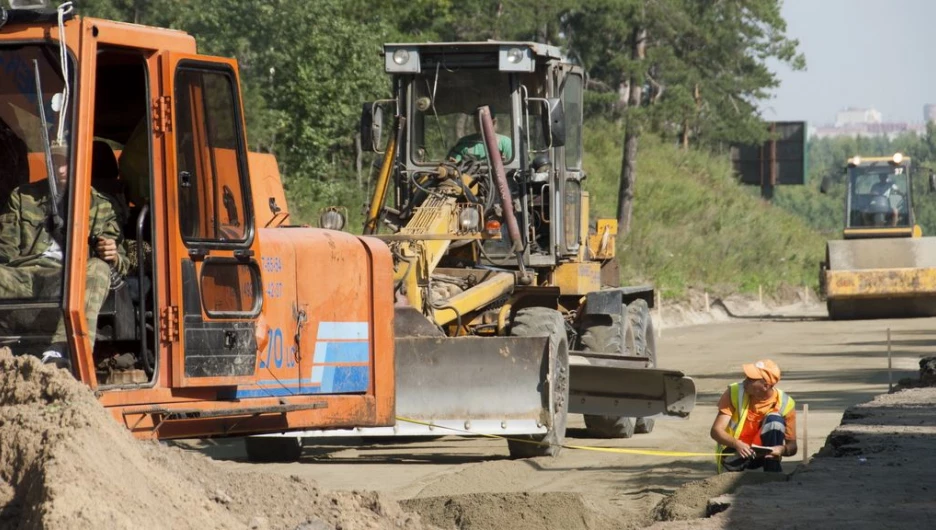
[693, 225]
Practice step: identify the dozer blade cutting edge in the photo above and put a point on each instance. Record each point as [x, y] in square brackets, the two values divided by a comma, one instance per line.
[608, 385]
[881, 278]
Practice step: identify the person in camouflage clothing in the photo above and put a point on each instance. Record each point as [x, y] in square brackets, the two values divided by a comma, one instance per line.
[31, 255]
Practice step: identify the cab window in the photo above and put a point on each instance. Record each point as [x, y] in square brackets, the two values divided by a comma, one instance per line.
[211, 168]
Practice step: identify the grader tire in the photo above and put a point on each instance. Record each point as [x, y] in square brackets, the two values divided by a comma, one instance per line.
[267, 449]
[546, 322]
[638, 314]
[631, 331]
[609, 426]
[608, 334]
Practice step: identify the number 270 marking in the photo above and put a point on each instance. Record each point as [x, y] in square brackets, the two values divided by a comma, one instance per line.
[275, 351]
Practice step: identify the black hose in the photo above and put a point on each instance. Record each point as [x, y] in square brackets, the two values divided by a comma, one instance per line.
[149, 362]
[458, 315]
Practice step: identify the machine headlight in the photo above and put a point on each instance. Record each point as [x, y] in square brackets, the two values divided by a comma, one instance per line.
[898, 158]
[469, 220]
[401, 57]
[855, 161]
[332, 219]
[515, 55]
[515, 59]
[401, 60]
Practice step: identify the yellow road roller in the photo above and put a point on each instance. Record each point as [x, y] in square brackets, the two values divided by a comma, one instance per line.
[882, 267]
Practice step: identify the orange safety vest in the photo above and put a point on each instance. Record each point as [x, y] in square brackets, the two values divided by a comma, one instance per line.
[741, 403]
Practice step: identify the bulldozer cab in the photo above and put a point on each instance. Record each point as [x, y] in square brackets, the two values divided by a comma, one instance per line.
[879, 195]
[128, 107]
[534, 96]
[201, 325]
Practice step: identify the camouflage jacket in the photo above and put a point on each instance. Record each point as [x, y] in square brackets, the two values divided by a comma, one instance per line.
[24, 225]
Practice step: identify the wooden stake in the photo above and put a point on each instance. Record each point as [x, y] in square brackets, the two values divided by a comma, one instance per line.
[805, 434]
[805, 295]
[890, 376]
[760, 294]
[706, 302]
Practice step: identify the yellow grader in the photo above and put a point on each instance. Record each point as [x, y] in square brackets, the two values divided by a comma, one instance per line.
[480, 195]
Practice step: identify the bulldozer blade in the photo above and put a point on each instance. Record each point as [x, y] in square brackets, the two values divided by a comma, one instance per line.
[483, 385]
[603, 386]
[881, 278]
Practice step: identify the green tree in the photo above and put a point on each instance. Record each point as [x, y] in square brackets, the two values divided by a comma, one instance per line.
[693, 66]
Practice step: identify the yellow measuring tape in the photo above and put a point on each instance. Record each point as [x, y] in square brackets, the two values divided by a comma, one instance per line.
[619, 450]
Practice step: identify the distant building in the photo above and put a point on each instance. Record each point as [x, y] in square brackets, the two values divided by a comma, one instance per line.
[856, 122]
[854, 116]
[929, 112]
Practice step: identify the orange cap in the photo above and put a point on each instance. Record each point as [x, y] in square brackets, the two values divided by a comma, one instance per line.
[764, 369]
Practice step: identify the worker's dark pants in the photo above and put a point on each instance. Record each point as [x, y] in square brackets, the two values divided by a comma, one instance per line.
[773, 430]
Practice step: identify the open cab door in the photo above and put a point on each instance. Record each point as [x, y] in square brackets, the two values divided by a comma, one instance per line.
[216, 287]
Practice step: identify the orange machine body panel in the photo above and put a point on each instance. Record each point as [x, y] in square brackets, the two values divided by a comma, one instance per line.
[269, 200]
[316, 306]
[328, 348]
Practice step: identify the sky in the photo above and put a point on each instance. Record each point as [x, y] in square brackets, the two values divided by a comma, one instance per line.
[859, 53]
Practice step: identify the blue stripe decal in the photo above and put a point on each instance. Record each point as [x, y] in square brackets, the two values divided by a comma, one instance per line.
[343, 331]
[334, 380]
[277, 382]
[269, 392]
[321, 349]
[345, 379]
[337, 380]
[347, 352]
[318, 373]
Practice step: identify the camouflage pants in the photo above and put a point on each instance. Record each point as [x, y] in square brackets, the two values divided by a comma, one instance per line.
[42, 280]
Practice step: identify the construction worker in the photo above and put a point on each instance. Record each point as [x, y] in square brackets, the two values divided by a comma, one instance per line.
[884, 188]
[31, 255]
[473, 144]
[756, 422]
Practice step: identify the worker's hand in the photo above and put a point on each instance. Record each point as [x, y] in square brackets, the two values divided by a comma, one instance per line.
[106, 249]
[743, 449]
[776, 453]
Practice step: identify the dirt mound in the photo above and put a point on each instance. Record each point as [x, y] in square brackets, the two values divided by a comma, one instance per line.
[691, 501]
[65, 463]
[517, 511]
[927, 376]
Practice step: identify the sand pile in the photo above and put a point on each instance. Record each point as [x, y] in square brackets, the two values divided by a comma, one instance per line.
[65, 463]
